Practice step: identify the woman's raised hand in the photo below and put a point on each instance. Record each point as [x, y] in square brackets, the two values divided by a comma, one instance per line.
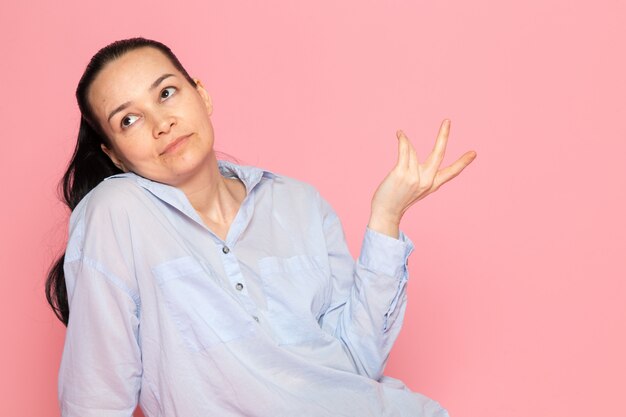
[409, 181]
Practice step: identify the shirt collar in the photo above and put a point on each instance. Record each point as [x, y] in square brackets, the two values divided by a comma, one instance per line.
[249, 175]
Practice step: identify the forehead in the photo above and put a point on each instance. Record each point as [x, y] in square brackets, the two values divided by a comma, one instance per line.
[127, 77]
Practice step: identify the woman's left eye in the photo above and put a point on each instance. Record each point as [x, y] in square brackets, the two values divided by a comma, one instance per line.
[167, 92]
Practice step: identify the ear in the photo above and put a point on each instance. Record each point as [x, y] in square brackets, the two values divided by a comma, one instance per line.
[205, 96]
[113, 157]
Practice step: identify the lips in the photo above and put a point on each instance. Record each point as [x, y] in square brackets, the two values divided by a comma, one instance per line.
[174, 144]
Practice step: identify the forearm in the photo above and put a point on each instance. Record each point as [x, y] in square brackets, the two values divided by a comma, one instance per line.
[367, 314]
[100, 371]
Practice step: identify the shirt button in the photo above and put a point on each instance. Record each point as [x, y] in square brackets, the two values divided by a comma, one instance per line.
[225, 249]
[255, 318]
[239, 286]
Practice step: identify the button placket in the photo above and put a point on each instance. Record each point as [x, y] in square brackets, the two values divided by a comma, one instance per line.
[231, 267]
[236, 281]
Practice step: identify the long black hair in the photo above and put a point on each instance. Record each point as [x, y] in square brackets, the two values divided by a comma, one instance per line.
[89, 164]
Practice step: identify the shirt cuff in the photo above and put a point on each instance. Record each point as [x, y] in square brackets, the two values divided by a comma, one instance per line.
[385, 254]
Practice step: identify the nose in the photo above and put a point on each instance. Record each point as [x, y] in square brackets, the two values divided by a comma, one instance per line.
[163, 124]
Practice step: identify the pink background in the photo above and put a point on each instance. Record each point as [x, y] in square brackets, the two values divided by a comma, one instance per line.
[517, 300]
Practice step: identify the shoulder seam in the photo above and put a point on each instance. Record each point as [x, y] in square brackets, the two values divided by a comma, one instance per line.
[112, 278]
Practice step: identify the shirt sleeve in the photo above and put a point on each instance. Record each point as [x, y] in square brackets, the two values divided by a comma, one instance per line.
[368, 296]
[100, 372]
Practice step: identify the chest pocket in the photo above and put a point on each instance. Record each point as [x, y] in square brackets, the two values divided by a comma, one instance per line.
[297, 293]
[204, 313]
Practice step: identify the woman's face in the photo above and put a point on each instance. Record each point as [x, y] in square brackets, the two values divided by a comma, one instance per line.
[157, 123]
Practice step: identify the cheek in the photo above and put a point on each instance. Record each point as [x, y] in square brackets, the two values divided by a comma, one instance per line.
[136, 147]
[198, 107]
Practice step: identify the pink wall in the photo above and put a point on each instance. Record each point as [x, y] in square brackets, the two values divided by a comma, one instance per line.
[518, 295]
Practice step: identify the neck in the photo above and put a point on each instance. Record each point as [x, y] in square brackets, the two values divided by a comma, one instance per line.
[215, 198]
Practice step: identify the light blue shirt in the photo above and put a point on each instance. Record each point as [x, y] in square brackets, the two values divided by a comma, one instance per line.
[276, 320]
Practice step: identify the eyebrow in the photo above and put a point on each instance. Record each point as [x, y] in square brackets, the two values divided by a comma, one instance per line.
[154, 85]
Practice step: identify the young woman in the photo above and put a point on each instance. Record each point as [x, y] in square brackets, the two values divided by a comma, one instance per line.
[199, 287]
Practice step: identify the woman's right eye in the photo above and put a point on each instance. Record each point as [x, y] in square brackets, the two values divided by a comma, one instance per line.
[128, 120]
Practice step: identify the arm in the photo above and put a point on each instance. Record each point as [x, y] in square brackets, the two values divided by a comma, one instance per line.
[369, 298]
[100, 372]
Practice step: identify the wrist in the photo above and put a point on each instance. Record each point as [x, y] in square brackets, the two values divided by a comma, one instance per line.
[385, 223]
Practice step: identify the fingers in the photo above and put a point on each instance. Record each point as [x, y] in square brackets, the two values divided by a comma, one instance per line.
[436, 156]
[453, 170]
[407, 157]
[403, 150]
